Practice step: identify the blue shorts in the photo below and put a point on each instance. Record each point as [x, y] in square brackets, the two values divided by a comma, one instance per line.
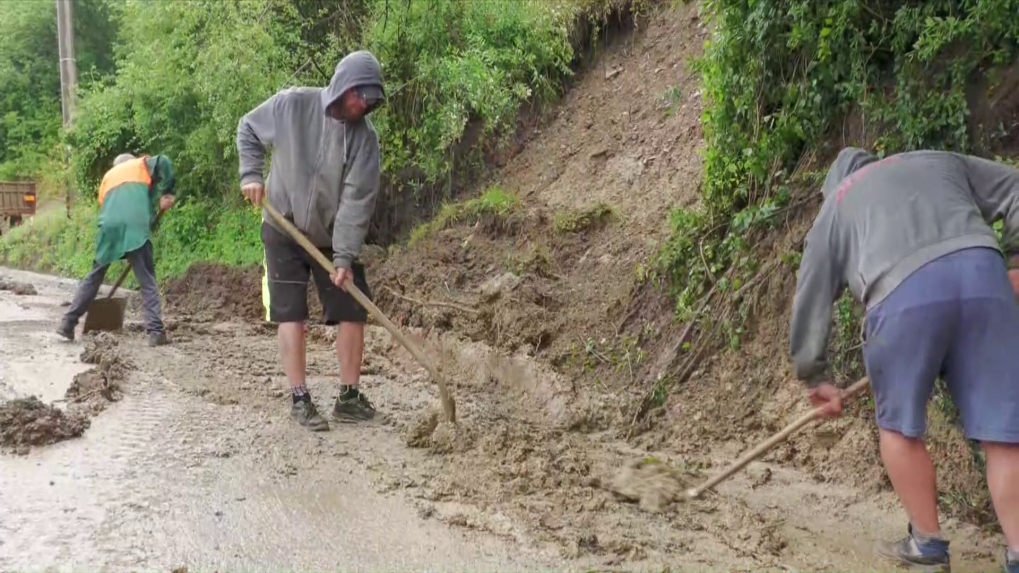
[956, 317]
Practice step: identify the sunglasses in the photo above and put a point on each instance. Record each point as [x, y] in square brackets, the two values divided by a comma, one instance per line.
[371, 101]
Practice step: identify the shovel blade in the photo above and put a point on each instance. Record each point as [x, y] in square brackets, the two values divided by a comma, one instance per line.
[105, 314]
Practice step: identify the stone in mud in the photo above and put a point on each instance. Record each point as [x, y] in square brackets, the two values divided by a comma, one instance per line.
[29, 422]
[443, 437]
[419, 433]
[498, 285]
[649, 483]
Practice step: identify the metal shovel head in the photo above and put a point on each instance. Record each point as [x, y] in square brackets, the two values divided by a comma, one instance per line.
[105, 314]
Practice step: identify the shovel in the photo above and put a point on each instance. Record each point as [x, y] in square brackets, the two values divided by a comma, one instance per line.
[448, 406]
[108, 313]
[771, 442]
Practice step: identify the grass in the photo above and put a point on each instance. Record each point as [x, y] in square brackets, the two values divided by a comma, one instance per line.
[495, 202]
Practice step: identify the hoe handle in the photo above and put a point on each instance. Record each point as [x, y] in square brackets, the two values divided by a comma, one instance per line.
[350, 287]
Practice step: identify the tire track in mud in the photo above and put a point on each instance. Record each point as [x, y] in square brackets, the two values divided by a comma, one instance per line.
[96, 486]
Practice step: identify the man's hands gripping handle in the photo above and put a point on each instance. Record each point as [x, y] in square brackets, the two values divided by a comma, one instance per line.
[255, 192]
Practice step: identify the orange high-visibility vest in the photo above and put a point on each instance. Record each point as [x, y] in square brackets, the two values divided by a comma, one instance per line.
[133, 171]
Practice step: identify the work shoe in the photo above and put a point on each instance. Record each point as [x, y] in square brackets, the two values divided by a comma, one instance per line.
[929, 556]
[1011, 565]
[66, 329]
[307, 415]
[158, 339]
[352, 406]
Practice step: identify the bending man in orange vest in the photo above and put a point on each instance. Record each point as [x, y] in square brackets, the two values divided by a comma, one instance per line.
[127, 197]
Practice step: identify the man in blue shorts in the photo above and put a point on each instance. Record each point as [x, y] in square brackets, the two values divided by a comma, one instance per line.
[910, 236]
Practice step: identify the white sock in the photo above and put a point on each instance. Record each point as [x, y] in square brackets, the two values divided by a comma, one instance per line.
[1013, 554]
[923, 536]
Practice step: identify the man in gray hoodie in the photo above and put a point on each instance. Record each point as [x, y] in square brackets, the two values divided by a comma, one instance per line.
[910, 237]
[324, 178]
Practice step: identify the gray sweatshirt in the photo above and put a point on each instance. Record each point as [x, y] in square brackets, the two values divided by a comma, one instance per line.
[324, 175]
[883, 220]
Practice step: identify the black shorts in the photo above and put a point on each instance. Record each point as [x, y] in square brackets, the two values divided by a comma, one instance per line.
[285, 283]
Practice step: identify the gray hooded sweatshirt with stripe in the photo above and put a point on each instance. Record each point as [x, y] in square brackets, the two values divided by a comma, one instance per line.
[883, 220]
[324, 175]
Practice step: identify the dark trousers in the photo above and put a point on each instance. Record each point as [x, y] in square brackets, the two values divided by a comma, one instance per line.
[144, 267]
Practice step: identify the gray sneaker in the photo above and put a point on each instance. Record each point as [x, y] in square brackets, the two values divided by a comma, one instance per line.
[352, 406]
[307, 415]
[930, 556]
[158, 339]
[66, 329]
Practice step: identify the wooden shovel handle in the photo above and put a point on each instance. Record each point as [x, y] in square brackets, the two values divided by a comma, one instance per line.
[350, 287]
[127, 269]
[771, 442]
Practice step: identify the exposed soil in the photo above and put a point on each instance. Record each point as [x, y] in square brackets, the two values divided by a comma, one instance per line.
[557, 279]
[28, 422]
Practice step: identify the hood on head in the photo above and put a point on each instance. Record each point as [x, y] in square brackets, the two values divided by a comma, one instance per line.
[359, 68]
[849, 160]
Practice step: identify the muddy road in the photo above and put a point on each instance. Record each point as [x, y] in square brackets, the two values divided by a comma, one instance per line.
[196, 464]
[184, 471]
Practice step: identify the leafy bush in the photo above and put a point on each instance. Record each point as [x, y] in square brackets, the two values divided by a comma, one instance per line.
[30, 111]
[187, 72]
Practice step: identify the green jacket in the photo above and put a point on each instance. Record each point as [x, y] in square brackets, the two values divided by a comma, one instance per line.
[128, 202]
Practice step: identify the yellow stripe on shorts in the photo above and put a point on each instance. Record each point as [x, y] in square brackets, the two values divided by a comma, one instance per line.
[265, 286]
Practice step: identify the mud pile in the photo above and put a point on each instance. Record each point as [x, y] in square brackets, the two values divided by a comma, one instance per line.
[28, 422]
[92, 390]
[217, 292]
[18, 288]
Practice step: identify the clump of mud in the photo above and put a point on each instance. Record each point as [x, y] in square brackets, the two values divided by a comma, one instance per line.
[650, 483]
[28, 422]
[419, 432]
[18, 288]
[93, 389]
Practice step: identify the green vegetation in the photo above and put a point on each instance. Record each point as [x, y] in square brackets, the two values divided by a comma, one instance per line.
[783, 79]
[175, 77]
[30, 113]
[198, 230]
[494, 202]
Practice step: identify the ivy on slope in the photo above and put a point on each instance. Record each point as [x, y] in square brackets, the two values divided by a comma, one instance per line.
[782, 80]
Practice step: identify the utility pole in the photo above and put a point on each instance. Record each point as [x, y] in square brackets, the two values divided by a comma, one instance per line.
[68, 80]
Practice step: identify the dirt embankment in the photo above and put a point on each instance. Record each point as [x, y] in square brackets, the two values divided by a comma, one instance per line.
[624, 142]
